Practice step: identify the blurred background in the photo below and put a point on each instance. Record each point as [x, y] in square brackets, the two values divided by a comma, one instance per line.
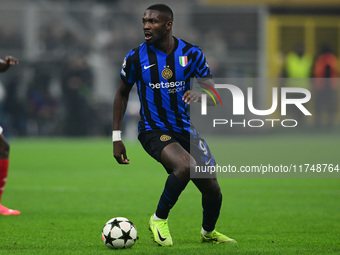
[71, 52]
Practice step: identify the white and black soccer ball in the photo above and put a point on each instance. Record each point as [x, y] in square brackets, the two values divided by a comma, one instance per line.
[119, 233]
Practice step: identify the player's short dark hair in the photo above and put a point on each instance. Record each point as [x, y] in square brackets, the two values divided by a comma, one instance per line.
[164, 9]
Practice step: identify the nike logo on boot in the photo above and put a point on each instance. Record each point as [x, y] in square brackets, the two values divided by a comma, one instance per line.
[160, 237]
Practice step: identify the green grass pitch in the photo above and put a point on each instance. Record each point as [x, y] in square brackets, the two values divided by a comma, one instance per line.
[66, 189]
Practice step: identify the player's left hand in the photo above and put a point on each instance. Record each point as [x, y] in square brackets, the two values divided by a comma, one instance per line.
[11, 61]
[190, 96]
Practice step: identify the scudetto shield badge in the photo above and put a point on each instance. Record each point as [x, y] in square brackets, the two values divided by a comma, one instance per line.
[183, 60]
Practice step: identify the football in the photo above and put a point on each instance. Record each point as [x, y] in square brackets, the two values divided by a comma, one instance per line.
[119, 233]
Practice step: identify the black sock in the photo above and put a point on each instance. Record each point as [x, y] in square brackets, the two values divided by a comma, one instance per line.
[173, 188]
[211, 212]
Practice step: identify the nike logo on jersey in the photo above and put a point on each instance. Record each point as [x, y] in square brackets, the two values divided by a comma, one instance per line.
[160, 237]
[208, 162]
[147, 67]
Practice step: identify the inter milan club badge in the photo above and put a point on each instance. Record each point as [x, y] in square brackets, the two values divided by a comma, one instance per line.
[183, 60]
[165, 138]
[167, 73]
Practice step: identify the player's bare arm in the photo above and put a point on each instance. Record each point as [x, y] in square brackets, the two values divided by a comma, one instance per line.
[9, 61]
[119, 108]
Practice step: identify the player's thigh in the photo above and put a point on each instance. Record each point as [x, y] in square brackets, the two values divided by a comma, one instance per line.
[158, 143]
[153, 142]
[4, 147]
[176, 158]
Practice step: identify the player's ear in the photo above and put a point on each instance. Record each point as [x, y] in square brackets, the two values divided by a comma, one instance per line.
[168, 25]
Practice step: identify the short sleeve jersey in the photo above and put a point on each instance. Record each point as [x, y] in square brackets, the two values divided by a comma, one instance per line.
[161, 81]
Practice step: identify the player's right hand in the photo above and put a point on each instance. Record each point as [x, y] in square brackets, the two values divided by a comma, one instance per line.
[119, 153]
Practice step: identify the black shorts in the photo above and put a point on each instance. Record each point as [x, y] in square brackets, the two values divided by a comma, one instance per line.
[154, 142]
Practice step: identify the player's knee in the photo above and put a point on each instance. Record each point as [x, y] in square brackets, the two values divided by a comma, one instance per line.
[183, 166]
[182, 171]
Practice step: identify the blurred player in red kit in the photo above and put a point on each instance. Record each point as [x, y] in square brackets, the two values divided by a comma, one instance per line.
[4, 146]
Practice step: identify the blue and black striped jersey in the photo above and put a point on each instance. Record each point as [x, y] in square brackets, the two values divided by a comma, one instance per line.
[161, 81]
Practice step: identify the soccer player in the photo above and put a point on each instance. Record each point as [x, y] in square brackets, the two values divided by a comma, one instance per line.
[161, 68]
[4, 146]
